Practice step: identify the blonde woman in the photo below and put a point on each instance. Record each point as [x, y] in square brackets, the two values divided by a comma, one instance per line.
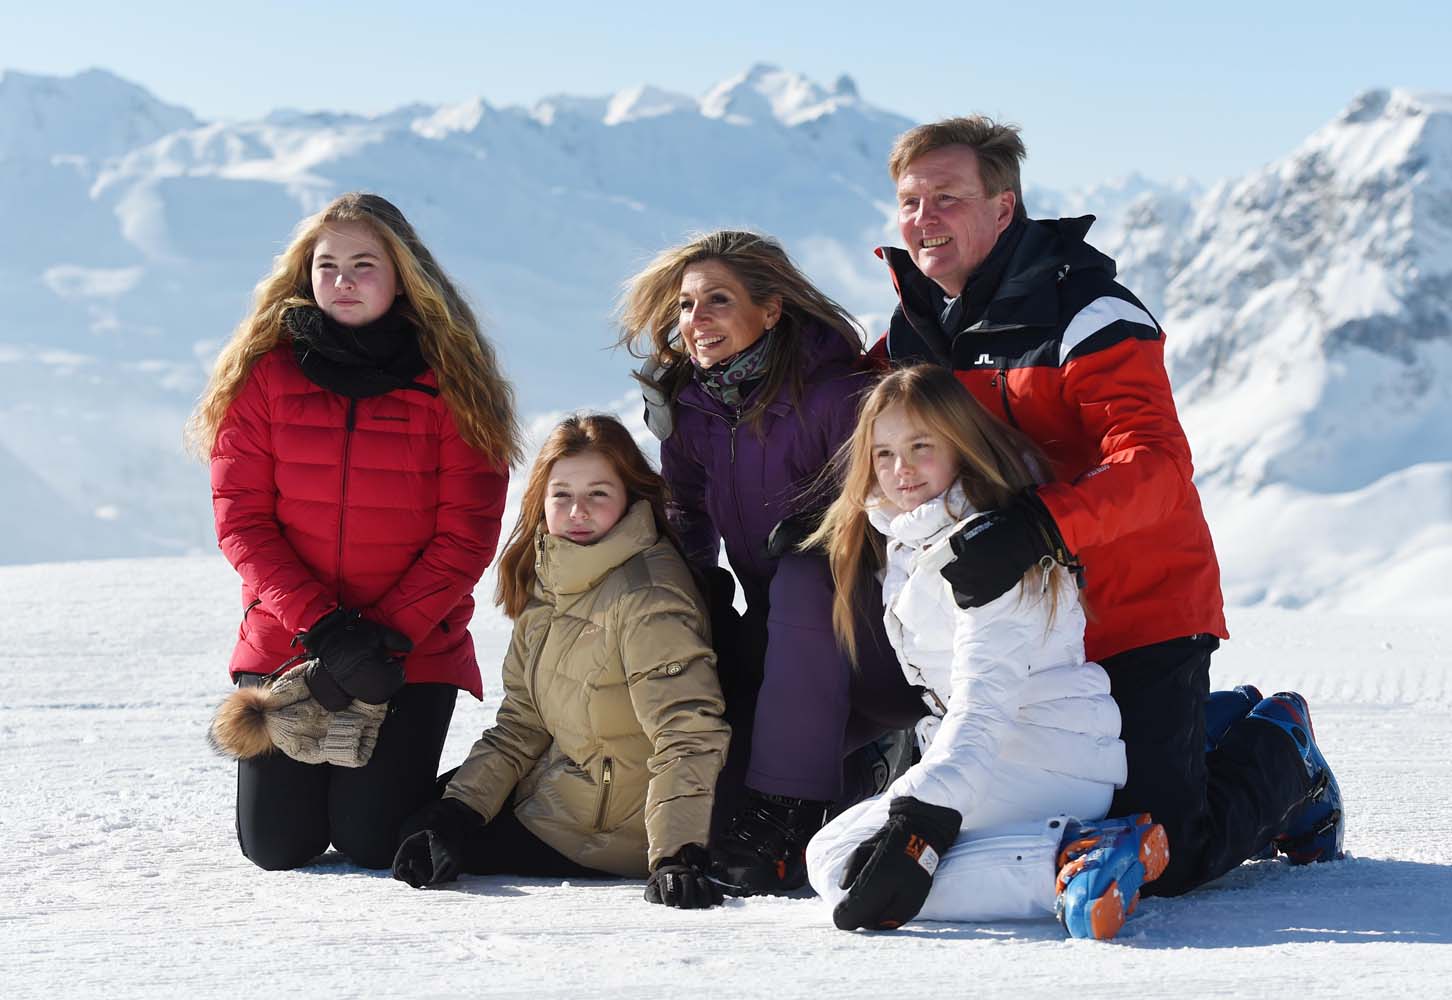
[360, 434]
[754, 381]
[1001, 818]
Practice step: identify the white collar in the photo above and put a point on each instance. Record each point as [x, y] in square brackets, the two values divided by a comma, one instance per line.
[923, 524]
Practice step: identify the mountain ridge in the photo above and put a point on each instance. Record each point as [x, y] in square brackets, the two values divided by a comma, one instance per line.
[1307, 303]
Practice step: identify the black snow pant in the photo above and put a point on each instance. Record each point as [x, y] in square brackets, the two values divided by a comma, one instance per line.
[289, 812]
[1217, 808]
[506, 847]
[828, 707]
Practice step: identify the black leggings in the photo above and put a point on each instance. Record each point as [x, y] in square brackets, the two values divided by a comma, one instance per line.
[289, 812]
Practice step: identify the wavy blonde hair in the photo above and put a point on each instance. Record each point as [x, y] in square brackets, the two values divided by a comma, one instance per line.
[575, 435]
[480, 399]
[995, 463]
[650, 310]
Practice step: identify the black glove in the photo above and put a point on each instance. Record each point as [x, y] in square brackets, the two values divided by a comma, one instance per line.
[993, 551]
[889, 875]
[433, 843]
[791, 531]
[358, 656]
[680, 881]
[718, 587]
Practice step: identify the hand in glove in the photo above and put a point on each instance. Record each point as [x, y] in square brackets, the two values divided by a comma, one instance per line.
[432, 851]
[357, 658]
[680, 881]
[994, 550]
[659, 413]
[791, 531]
[889, 875]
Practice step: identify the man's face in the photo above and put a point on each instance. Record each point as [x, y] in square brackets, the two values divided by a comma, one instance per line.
[948, 223]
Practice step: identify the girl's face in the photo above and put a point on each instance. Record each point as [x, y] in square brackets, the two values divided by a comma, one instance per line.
[913, 465]
[584, 498]
[718, 319]
[354, 281]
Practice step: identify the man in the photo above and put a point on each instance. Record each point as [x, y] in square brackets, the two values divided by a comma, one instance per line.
[1031, 320]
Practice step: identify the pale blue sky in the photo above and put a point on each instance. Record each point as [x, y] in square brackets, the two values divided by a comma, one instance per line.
[1100, 89]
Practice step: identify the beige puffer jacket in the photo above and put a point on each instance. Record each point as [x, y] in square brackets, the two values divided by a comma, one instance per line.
[610, 732]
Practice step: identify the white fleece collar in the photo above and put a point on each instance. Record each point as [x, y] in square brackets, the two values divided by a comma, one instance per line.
[923, 525]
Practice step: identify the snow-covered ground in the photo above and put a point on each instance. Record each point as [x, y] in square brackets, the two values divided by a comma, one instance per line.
[121, 874]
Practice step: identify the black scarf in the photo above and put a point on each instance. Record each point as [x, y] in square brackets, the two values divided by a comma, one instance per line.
[969, 306]
[357, 361]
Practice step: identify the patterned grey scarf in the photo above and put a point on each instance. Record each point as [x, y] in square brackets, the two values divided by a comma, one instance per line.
[727, 381]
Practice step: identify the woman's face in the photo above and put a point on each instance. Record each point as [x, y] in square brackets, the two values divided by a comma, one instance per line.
[584, 498]
[354, 281]
[718, 319]
[913, 465]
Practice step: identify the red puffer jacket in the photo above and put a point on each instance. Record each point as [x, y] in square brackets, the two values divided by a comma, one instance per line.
[376, 504]
[1070, 357]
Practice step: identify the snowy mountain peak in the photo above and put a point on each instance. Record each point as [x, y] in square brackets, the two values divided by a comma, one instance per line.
[645, 101]
[447, 119]
[93, 115]
[1370, 105]
[1382, 137]
[765, 92]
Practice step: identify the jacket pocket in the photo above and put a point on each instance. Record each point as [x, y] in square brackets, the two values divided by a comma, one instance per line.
[607, 778]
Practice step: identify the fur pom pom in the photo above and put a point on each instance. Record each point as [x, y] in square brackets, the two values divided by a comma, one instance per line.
[239, 729]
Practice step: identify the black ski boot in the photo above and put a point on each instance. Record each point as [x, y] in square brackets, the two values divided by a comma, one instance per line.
[764, 851]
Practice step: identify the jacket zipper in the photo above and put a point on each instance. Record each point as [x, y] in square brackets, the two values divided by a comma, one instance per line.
[607, 775]
[348, 425]
[1000, 381]
[735, 494]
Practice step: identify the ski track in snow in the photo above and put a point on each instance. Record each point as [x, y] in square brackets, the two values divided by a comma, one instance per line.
[122, 875]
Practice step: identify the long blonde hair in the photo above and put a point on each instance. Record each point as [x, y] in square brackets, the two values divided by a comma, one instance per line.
[573, 436]
[470, 381]
[650, 310]
[995, 463]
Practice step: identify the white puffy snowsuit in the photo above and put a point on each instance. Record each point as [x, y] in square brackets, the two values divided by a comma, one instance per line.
[1023, 731]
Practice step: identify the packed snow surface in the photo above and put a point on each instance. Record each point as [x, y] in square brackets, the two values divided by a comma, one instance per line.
[123, 878]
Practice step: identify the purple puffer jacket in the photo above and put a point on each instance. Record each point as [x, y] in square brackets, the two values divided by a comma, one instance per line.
[734, 482]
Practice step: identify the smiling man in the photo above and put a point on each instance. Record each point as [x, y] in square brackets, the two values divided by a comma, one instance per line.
[1031, 320]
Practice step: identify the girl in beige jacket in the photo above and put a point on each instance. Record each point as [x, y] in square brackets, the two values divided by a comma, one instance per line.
[604, 754]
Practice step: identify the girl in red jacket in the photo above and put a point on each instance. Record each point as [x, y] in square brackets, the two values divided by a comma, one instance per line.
[360, 433]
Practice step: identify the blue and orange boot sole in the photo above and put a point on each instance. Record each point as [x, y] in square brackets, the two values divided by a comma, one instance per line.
[1102, 867]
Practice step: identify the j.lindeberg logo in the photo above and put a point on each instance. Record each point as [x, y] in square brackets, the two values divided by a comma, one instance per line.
[983, 359]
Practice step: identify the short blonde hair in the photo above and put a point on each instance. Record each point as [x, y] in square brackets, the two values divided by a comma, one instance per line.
[997, 146]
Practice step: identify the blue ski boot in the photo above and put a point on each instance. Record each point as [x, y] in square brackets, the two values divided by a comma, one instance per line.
[1315, 829]
[1102, 866]
[1224, 709]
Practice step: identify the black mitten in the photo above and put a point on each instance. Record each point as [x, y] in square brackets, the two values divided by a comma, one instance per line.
[359, 655]
[680, 881]
[889, 875]
[791, 531]
[433, 844]
[993, 551]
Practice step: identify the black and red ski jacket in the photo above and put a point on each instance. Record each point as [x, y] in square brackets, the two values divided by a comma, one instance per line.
[1071, 358]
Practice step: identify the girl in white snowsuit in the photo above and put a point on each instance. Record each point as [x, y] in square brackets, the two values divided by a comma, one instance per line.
[1020, 753]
